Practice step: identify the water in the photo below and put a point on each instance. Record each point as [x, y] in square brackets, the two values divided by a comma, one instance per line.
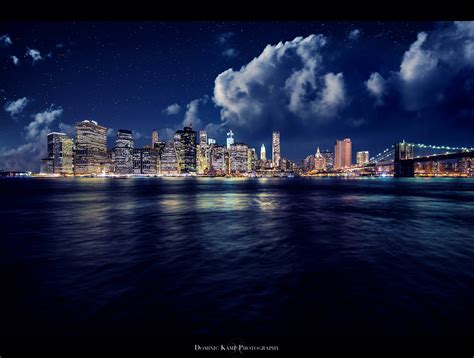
[301, 256]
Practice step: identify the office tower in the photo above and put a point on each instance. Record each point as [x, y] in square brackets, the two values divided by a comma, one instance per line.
[263, 156]
[276, 154]
[319, 161]
[124, 152]
[329, 158]
[60, 151]
[362, 157]
[202, 153]
[91, 148]
[154, 138]
[169, 164]
[308, 163]
[185, 144]
[109, 167]
[343, 154]
[238, 158]
[230, 138]
[251, 160]
[145, 161]
[47, 166]
[218, 159]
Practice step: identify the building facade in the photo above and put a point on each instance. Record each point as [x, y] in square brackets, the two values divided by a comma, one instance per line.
[263, 154]
[124, 152]
[362, 157]
[218, 159]
[319, 161]
[343, 154]
[230, 139]
[202, 154]
[185, 144]
[61, 152]
[238, 158]
[91, 148]
[169, 164]
[276, 153]
[145, 161]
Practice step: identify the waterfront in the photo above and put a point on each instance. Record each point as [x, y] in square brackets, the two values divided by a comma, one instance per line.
[237, 256]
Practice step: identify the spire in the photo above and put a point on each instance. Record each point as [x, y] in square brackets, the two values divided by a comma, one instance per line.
[318, 154]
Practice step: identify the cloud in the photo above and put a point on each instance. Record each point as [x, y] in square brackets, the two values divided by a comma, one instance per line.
[16, 107]
[230, 52]
[354, 34]
[223, 38]
[5, 40]
[15, 60]
[417, 63]
[28, 156]
[191, 118]
[69, 129]
[376, 85]
[41, 121]
[172, 109]
[285, 85]
[34, 54]
[136, 134]
[110, 132]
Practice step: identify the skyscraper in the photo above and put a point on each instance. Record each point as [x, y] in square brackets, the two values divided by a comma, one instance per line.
[169, 159]
[276, 154]
[362, 157]
[185, 144]
[202, 153]
[91, 148]
[218, 159]
[154, 138]
[238, 158]
[145, 161]
[329, 158]
[124, 152]
[60, 151]
[230, 138]
[342, 154]
[319, 161]
[263, 155]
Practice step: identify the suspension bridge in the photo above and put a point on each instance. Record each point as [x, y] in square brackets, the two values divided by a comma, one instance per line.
[404, 155]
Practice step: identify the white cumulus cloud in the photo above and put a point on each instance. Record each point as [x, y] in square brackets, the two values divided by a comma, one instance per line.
[376, 85]
[417, 62]
[41, 122]
[172, 109]
[34, 54]
[5, 40]
[286, 82]
[354, 34]
[16, 107]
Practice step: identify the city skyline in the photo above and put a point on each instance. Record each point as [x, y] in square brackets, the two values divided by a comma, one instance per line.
[374, 82]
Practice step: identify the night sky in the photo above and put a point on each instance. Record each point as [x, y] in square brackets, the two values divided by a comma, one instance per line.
[374, 82]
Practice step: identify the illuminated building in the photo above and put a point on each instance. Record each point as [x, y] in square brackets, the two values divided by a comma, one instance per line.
[145, 161]
[276, 153]
[230, 138]
[169, 159]
[185, 144]
[60, 151]
[362, 157]
[47, 166]
[251, 160]
[263, 155]
[91, 148]
[202, 153]
[329, 158]
[308, 163]
[124, 152]
[319, 161]
[343, 154]
[218, 159]
[238, 158]
[211, 141]
[154, 138]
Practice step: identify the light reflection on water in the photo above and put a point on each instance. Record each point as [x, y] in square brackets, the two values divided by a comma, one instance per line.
[226, 256]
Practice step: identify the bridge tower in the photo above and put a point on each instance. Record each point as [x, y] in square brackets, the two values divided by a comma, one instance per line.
[404, 165]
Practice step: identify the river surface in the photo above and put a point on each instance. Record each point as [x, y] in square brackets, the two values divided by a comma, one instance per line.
[216, 256]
